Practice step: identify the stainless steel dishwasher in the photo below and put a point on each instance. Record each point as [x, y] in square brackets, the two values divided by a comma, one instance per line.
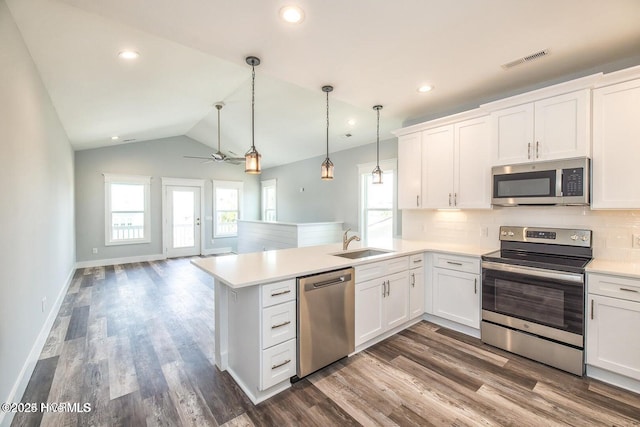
[326, 320]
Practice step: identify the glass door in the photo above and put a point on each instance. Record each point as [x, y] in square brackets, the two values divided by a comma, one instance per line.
[183, 221]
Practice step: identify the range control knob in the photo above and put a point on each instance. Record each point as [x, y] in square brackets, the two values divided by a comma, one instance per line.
[585, 238]
[511, 234]
[503, 233]
[574, 237]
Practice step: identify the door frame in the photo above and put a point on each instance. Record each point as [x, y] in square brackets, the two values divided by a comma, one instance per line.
[181, 182]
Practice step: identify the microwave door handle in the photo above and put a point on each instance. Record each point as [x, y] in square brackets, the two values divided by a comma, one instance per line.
[559, 178]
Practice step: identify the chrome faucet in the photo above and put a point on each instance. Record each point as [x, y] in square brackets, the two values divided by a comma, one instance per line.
[346, 241]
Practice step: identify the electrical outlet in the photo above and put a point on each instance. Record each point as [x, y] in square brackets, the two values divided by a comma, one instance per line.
[636, 241]
[94, 250]
[484, 231]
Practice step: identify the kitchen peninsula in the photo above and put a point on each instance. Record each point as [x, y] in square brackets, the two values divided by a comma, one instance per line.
[255, 300]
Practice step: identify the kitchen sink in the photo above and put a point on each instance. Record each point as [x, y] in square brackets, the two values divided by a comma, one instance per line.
[362, 253]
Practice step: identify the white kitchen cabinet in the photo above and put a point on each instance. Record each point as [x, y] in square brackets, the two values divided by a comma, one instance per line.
[416, 283]
[613, 316]
[456, 291]
[382, 298]
[552, 128]
[616, 132]
[409, 171]
[456, 170]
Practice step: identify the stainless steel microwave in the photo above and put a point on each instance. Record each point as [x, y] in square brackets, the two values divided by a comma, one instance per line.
[557, 182]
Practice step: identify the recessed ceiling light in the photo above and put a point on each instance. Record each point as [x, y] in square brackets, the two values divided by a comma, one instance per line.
[115, 138]
[128, 54]
[425, 88]
[351, 122]
[292, 14]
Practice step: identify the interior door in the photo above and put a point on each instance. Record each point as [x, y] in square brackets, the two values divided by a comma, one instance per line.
[183, 221]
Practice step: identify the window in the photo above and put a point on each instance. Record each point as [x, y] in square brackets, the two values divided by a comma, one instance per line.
[127, 218]
[378, 203]
[269, 200]
[227, 199]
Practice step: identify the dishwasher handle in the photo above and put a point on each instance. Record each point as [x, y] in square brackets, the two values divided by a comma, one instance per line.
[324, 283]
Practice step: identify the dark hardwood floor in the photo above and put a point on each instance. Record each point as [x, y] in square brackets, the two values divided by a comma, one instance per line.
[135, 341]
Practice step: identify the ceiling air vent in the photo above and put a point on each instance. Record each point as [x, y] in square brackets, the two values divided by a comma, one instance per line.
[525, 59]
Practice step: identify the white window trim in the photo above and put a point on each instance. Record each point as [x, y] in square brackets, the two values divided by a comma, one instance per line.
[264, 184]
[367, 168]
[126, 179]
[238, 185]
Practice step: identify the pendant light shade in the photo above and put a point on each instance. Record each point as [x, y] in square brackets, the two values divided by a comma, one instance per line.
[252, 157]
[326, 169]
[376, 175]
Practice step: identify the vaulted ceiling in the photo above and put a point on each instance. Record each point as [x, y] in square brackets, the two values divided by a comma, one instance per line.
[192, 55]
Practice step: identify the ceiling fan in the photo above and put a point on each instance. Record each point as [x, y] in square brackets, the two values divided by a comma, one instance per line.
[219, 156]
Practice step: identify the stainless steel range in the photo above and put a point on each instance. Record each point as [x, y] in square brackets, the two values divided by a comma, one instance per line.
[533, 294]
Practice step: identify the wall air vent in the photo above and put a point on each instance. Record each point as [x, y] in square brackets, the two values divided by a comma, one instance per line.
[526, 59]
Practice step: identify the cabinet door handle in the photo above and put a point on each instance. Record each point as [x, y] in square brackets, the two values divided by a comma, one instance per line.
[413, 280]
[384, 289]
[628, 290]
[280, 325]
[275, 294]
[537, 149]
[418, 201]
[449, 199]
[280, 364]
[455, 199]
[454, 263]
[591, 309]
[528, 150]
[475, 286]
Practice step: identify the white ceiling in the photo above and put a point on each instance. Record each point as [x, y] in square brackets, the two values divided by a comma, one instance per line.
[372, 51]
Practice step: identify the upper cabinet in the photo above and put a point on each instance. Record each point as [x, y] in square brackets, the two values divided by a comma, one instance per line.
[616, 147]
[551, 128]
[456, 169]
[409, 171]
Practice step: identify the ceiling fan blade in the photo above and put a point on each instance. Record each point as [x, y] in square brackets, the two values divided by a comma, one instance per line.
[197, 157]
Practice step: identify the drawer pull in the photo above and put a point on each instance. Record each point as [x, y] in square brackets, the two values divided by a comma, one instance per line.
[416, 261]
[281, 364]
[281, 293]
[628, 290]
[454, 263]
[280, 325]
[592, 309]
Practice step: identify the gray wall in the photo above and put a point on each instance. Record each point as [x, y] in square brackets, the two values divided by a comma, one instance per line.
[335, 200]
[158, 158]
[37, 236]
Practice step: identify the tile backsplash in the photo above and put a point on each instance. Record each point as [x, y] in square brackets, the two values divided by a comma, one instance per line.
[612, 230]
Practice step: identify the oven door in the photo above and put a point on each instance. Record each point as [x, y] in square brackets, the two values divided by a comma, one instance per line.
[547, 303]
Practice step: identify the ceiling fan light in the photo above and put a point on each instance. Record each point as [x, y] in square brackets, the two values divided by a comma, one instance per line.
[326, 170]
[376, 175]
[252, 161]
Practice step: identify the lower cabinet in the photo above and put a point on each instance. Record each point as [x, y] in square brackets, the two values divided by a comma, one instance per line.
[456, 289]
[416, 285]
[613, 316]
[381, 303]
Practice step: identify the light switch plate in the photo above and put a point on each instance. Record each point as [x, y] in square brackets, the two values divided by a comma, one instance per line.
[636, 241]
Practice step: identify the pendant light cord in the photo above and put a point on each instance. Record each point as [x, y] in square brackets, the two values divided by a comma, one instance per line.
[327, 124]
[253, 101]
[378, 139]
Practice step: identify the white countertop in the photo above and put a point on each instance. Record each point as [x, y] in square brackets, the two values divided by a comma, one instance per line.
[289, 223]
[619, 268]
[238, 271]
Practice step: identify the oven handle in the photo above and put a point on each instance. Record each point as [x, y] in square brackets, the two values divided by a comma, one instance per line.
[537, 272]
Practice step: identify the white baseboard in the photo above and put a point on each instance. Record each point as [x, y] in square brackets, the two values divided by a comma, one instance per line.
[30, 364]
[452, 325]
[217, 251]
[613, 378]
[123, 260]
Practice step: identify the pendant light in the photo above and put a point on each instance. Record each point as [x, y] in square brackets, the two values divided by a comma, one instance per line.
[326, 170]
[252, 157]
[377, 172]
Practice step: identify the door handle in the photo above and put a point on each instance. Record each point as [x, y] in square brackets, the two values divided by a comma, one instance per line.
[528, 150]
[417, 201]
[413, 280]
[197, 221]
[475, 286]
[388, 288]
[592, 309]
[449, 199]
[455, 199]
[537, 149]
[384, 289]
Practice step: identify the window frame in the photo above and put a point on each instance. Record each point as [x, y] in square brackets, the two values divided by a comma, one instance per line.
[366, 169]
[234, 185]
[145, 181]
[268, 183]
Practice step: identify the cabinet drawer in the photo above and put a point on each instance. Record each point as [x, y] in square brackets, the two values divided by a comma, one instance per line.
[381, 268]
[278, 324]
[416, 261]
[614, 286]
[279, 292]
[278, 364]
[457, 263]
